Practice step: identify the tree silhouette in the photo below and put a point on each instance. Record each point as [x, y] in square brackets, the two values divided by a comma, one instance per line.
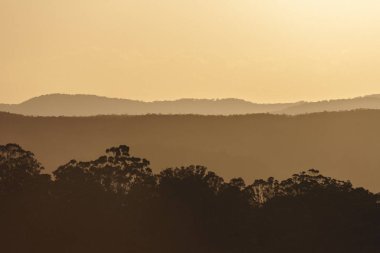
[117, 204]
[23, 190]
[18, 169]
[116, 171]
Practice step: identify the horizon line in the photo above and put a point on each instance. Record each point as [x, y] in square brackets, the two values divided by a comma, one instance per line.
[190, 98]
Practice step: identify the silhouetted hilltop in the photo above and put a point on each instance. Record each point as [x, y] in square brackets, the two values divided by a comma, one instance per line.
[342, 144]
[90, 105]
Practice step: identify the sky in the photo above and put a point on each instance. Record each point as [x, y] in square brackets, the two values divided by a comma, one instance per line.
[262, 51]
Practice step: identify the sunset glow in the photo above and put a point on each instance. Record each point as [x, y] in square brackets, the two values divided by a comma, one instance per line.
[262, 51]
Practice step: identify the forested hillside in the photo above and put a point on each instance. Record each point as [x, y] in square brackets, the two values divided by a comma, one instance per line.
[115, 203]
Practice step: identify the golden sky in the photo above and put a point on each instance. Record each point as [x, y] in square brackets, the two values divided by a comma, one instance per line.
[263, 51]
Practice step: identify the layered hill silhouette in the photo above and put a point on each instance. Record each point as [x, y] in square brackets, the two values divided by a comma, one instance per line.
[90, 105]
[344, 145]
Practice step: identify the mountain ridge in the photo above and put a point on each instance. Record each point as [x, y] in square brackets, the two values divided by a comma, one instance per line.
[92, 105]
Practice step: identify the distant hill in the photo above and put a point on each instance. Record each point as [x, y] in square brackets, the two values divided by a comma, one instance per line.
[90, 105]
[344, 145]
[367, 102]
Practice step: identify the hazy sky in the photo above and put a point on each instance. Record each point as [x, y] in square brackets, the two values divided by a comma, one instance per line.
[263, 51]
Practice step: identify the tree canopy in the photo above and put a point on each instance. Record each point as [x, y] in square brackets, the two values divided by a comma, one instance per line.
[117, 204]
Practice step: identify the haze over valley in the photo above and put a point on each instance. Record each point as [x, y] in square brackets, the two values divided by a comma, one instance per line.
[190, 126]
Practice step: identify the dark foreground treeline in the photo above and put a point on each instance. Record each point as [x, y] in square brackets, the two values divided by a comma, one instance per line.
[116, 204]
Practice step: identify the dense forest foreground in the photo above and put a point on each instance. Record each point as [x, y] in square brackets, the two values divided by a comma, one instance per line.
[117, 204]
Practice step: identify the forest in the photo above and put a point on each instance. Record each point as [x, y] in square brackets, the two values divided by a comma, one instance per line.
[116, 203]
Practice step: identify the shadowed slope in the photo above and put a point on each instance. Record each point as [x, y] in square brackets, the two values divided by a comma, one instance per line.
[344, 145]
